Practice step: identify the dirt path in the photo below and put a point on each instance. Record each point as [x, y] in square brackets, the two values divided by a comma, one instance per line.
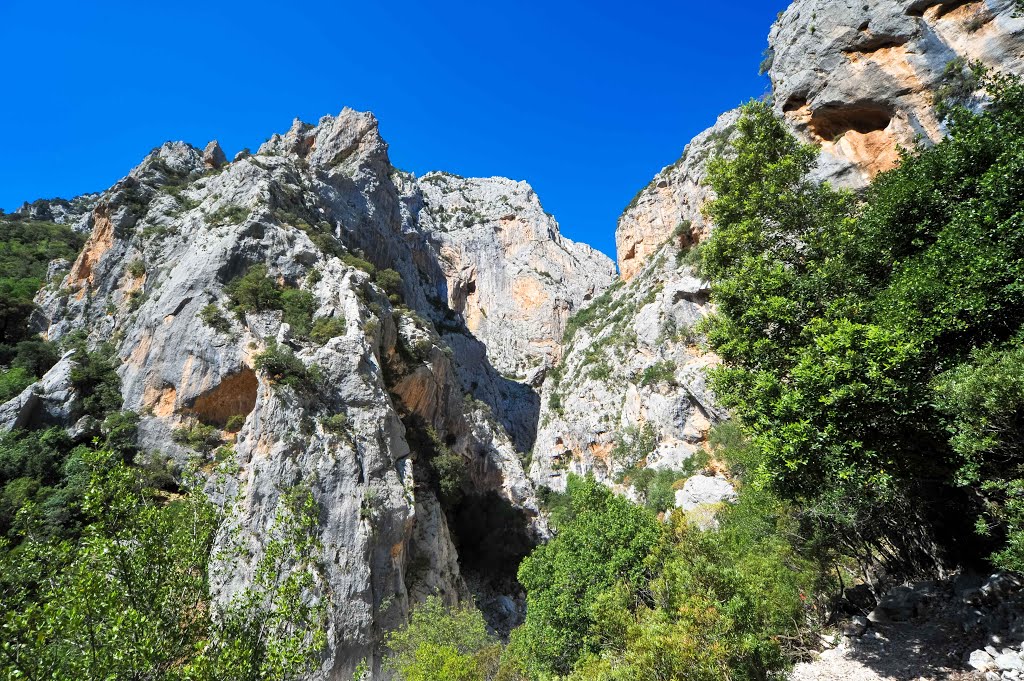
[906, 651]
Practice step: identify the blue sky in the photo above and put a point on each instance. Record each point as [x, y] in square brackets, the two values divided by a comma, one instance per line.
[584, 100]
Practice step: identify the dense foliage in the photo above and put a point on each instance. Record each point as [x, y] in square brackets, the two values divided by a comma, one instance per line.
[26, 249]
[849, 327]
[129, 597]
[443, 644]
[41, 471]
[617, 594]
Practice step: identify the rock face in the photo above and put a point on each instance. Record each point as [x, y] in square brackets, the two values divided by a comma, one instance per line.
[855, 78]
[631, 389]
[861, 78]
[672, 201]
[61, 211]
[486, 286]
[704, 489]
[48, 401]
[508, 271]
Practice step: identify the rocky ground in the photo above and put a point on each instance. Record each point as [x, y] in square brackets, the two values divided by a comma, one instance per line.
[963, 628]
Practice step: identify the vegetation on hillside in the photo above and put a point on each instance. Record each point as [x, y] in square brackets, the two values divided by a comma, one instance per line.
[26, 249]
[618, 594]
[870, 344]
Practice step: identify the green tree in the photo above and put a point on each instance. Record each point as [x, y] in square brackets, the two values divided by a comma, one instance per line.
[443, 644]
[254, 291]
[607, 541]
[835, 318]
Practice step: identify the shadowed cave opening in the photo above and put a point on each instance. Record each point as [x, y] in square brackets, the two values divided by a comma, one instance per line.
[235, 395]
[829, 122]
[919, 8]
[492, 537]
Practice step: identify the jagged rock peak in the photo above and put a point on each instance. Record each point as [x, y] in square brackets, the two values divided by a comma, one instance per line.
[510, 273]
[444, 352]
[332, 141]
[213, 156]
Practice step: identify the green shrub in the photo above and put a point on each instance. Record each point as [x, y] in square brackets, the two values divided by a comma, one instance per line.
[145, 559]
[617, 595]
[13, 381]
[660, 372]
[326, 328]
[390, 281]
[600, 371]
[608, 540]
[298, 307]
[26, 249]
[212, 317]
[254, 291]
[34, 356]
[137, 268]
[198, 436]
[95, 377]
[443, 644]
[657, 488]
[835, 318]
[633, 443]
[229, 214]
[358, 263]
[284, 368]
[335, 423]
[235, 423]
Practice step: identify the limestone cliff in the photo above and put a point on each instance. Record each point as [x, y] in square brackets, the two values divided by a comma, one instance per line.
[412, 365]
[860, 79]
[857, 79]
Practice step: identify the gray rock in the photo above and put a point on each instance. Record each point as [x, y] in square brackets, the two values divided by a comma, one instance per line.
[47, 402]
[386, 538]
[1009, 662]
[861, 597]
[860, 79]
[855, 626]
[899, 604]
[982, 661]
[704, 489]
[999, 586]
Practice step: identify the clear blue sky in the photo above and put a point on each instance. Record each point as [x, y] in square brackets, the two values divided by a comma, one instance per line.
[584, 100]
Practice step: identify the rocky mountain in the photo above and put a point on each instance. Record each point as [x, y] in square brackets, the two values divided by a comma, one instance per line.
[858, 80]
[425, 308]
[421, 354]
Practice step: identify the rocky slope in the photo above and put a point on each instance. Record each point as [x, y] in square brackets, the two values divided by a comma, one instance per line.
[414, 367]
[855, 78]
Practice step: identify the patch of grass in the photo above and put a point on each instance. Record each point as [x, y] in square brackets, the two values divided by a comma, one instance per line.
[661, 372]
[229, 214]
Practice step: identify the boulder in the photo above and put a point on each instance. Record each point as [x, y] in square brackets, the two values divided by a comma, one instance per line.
[47, 402]
[982, 661]
[704, 489]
